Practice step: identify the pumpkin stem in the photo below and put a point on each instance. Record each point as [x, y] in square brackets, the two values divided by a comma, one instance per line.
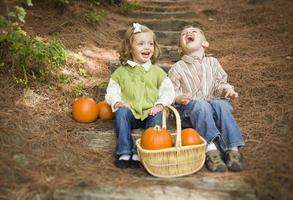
[157, 128]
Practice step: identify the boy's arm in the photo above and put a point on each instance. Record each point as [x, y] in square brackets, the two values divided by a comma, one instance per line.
[175, 79]
[221, 84]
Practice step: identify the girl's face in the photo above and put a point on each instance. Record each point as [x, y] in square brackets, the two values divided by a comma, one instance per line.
[191, 39]
[142, 47]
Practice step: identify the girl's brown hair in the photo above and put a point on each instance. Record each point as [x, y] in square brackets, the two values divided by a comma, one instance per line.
[127, 41]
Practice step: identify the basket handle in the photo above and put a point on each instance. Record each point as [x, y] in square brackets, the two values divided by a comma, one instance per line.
[178, 123]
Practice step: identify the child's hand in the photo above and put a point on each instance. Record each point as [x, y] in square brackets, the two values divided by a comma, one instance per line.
[183, 99]
[157, 108]
[120, 104]
[230, 94]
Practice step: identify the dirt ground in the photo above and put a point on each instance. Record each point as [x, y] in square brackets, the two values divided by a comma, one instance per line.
[41, 149]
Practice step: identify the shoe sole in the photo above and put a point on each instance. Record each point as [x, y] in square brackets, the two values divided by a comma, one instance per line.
[235, 168]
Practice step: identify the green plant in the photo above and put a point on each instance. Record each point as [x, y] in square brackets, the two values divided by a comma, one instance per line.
[127, 7]
[83, 72]
[93, 17]
[64, 78]
[96, 2]
[79, 90]
[29, 58]
[62, 5]
[26, 2]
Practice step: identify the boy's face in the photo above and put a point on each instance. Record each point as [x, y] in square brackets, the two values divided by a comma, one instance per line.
[191, 40]
[142, 47]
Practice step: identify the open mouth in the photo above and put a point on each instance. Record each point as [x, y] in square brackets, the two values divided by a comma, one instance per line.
[189, 39]
[145, 54]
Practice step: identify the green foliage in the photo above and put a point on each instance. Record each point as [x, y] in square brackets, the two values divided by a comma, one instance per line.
[64, 2]
[83, 72]
[96, 2]
[33, 57]
[80, 90]
[64, 78]
[127, 7]
[92, 16]
[26, 2]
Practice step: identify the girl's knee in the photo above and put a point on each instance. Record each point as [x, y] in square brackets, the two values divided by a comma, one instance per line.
[154, 120]
[123, 113]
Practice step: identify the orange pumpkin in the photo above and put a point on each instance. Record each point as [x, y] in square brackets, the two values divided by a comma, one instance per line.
[155, 138]
[190, 136]
[105, 111]
[85, 110]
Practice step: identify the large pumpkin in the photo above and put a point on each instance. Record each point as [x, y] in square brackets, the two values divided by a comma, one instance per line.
[105, 111]
[156, 138]
[189, 136]
[85, 110]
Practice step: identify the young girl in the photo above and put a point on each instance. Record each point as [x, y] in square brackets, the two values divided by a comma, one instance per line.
[202, 94]
[137, 91]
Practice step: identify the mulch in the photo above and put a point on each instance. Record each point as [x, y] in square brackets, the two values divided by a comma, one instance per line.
[41, 149]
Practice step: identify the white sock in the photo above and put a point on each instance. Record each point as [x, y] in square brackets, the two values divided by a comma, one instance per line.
[124, 157]
[234, 148]
[135, 157]
[211, 146]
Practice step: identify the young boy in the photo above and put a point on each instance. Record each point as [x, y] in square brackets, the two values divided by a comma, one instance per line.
[202, 95]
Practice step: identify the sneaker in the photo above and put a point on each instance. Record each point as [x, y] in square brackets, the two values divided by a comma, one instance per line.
[214, 161]
[134, 162]
[232, 159]
[122, 163]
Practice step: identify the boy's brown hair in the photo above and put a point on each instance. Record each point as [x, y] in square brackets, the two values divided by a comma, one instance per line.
[127, 41]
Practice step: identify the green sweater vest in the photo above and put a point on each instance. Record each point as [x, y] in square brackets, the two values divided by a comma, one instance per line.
[139, 88]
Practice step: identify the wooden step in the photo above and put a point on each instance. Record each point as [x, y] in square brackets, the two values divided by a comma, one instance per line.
[168, 24]
[170, 53]
[164, 8]
[164, 3]
[211, 187]
[168, 37]
[163, 37]
[162, 15]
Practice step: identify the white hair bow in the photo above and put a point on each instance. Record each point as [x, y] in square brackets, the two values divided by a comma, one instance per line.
[136, 28]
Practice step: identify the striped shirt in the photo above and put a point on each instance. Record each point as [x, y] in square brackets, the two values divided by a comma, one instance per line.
[202, 78]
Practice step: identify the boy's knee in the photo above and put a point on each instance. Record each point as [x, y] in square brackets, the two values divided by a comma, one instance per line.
[221, 105]
[201, 106]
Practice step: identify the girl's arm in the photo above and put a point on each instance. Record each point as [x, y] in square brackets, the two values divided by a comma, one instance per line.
[113, 94]
[166, 93]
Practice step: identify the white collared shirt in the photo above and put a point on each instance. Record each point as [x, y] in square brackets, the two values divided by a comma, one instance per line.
[145, 65]
[166, 93]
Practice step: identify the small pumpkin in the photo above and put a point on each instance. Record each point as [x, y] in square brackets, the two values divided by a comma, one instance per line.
[105, 111]
[190, 136]
[155, 138]
[85, 110]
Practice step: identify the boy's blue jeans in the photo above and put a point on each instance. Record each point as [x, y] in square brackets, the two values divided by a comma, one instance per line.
[125, 122]
[213, 119]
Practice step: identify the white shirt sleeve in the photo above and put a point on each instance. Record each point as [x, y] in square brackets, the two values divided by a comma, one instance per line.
[113, 93]
[166, 93]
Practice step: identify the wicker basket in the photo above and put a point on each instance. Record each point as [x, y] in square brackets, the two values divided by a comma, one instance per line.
[174, 161]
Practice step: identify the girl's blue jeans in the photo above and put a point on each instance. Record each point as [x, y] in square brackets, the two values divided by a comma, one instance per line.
[125, 122]
[213, 119]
